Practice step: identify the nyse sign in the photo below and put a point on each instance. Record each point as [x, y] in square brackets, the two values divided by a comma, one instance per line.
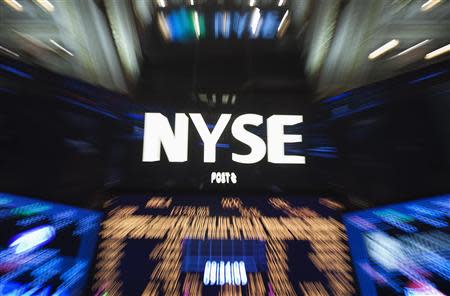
[158, 132]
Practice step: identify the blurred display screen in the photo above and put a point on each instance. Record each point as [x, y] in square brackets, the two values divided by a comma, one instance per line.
[211, 245]
[402, 249]
[45, 248]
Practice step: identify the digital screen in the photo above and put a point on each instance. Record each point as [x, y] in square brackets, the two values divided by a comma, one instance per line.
[45, 248]
[212, 245]
[402, 249]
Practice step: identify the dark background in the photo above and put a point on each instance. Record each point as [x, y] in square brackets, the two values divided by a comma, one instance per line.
[65, 140]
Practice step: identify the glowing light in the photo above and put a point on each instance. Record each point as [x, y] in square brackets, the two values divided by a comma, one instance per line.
[281, 2]
[221, 273]
[252, 3]
[191, 2]
[61, 47]
[32, 239]
[217, 18]
[14, 4]
[412, 48]
[282, 27]
[4, 49]
[243, 273]
[206, 273]
[269, 25]
[256, 16]
[47, 5]
[429, 4]
[161, 3]
[236, 272]
[164, 27]
[196, 25]
[383, 49]
[239, 23]
[226, 25]
[213, 272]
[438, 52]
[228, 273]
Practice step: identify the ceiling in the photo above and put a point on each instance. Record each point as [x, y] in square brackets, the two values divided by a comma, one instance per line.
[309, 50]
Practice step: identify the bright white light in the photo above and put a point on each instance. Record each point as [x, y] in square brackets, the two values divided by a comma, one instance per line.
[237, 277]
[412, 48]
[9, 51]
[281, 2]
[213, 273]
[228, 273]
[243, 273]
[256, 16]
[61, 47]
[206, 273]
[32, 239]
[438, 52]
[221, 273]
[14, 4]
[196, 25]
[383, 49]
[429, 4]
[283, 20]
[45, 4]
[191, 2]
[164, 27]
[252, 3]
[161, 3]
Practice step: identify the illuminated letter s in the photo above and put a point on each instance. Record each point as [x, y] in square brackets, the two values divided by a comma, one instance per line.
[257, 145]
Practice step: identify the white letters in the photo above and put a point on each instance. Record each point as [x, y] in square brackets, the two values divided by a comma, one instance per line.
[223, 177]
[157, 132]
[256, 144]
[276, 139]
[209, 138]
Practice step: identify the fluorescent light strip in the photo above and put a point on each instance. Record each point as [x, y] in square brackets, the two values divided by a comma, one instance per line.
[9, 51]
[412, 48]
[196, 25]
[61, 47]
[252, 3]
[383, 49]
[281, 2]
[429, 4]
[45, 4]
[283, 20]
[164, 27]
[14, 4]
[191, 2]
[438, 52]
[256, 16]
[161, 3]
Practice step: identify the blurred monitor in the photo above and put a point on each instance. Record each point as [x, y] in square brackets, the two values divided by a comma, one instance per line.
[45, 248]
[402, 249]
[214, 245]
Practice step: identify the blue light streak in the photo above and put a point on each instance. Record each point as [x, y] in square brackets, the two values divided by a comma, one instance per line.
[337, 98]
[15, 71]
[428, 76]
